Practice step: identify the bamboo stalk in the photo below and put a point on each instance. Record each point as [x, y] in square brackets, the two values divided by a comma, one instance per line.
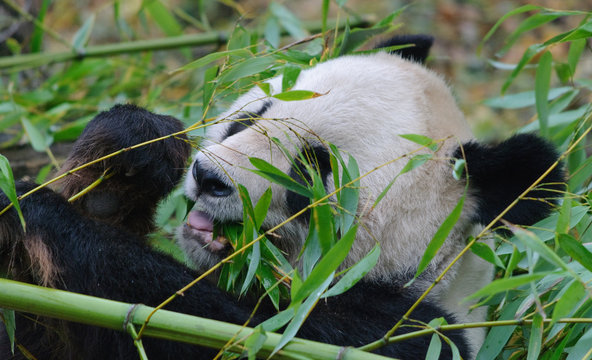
[129, 47]
[164, 324]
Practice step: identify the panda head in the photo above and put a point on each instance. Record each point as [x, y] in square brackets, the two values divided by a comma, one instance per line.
[366, 103]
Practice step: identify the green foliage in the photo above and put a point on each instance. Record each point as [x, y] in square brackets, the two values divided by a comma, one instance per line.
[8, 187]
[547, 268]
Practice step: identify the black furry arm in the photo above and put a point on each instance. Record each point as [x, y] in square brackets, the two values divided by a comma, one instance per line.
[498, 174]
[65, 250]
[136, 179]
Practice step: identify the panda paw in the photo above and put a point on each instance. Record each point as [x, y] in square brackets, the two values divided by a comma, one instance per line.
[129, 182]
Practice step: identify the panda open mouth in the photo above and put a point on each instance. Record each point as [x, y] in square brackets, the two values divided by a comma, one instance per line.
[201, 226]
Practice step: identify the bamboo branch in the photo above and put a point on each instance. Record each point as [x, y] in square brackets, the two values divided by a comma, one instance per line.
[130, 47]
[165, 324]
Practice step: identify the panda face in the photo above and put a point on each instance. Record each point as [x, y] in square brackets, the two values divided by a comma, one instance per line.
[366, 103]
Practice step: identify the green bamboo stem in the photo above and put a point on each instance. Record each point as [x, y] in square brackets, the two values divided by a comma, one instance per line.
[485, 324]
[164, 324]
[130, 47]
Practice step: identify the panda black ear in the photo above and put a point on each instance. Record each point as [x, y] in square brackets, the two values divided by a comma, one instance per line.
[418, 53]
[498, 174]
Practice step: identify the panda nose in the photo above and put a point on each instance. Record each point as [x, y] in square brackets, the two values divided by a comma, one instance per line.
[209, 183]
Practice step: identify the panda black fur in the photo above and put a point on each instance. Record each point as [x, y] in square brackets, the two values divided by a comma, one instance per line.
[101, 256]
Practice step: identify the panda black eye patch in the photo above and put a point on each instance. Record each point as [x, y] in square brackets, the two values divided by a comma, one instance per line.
[245, 120]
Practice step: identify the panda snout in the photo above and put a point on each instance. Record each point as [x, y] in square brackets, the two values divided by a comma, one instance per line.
[209, 182]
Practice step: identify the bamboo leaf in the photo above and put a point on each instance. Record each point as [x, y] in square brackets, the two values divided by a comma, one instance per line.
[530, 23]
[83, 34]
[265, 87]
[253, 265]
[255, 342]
[583, 31]
[568, 301]
[296, 284]
[485, 252]
[357, 37]
[349, 195]
[421, 140]
[536, 337]
[288, 20]
[273, 253]
[272, 31]
[7, 186]
[327, 266]
[564, 215]
[355, 274]
[7, 317]
[563, 72]
[163, 17]
[37, 37]
[273, 174]
[324, 15]
[267, 279]
[435, 348]
[261, 208]
[439, 237]
[528, 55]
[296, 95]
[248, 211]
[498, 336]
[312, 251]
[458, 169]
[523, 99]
[542, 84]
[500, 285]
[388, 20]
[581, 350]
[246, 68]
[517, 11]
[290, 75]
[208, 88]
[203, 61]
[454, 350]
[38, 141]
[301, 314]
[415, 162]
[581, 175]
[322, 216]
[576, 250]
[513, 261]
[533, 242]
[279, 320]
[576, 48]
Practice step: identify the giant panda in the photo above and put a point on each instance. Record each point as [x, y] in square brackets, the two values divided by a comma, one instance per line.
[367, 101]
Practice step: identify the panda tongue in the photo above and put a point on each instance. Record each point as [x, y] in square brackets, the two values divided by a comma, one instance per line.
[200, 220]
[203, 224]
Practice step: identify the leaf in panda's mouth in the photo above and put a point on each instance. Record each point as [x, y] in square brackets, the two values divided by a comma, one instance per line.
[230, 232]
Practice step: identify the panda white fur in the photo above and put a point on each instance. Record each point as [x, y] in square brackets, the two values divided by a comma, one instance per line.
[368, 101]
